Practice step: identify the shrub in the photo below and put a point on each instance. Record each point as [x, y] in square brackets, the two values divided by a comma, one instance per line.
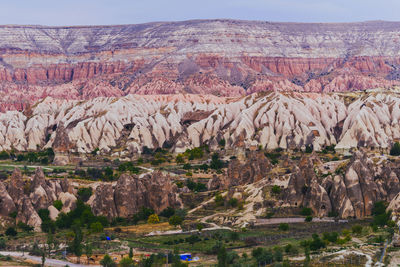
[273, 157]
[333, 213]
[11, 231]
[222, 143]
[168, 212]
[153, 219]
[180, 159]
[306, 211]
[4, 155]
[356, 229]
[24, 227]
[126, 262]
[395, 150]
[276, 189]
[96, 227]
[216, 163]
[233, 202]
[219, 200]
[309, 149]
[308, 219]
[58, 204]
[107, 262]
[331, 237]
[284, 227]
[175, 220]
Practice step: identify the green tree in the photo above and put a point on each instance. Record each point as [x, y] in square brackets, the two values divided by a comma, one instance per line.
[76, 245]
[11, 231]
[126, 262]
[153, 219]
[131, 252]
[88, 251]
[107, 261]
[175, 220]
[96, 227]
[222, 257]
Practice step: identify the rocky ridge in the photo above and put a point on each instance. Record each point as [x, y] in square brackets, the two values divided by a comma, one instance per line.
[220, 57]
[272, 120]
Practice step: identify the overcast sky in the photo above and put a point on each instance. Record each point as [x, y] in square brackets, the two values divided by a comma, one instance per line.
[102, 12]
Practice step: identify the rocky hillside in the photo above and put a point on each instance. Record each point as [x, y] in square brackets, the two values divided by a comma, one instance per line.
[124, 126]
[220, 57]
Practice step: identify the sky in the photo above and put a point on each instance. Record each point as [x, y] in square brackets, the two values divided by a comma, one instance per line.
[106, 12]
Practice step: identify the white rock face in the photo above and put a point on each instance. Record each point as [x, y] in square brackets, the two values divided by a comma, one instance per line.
[285, 120]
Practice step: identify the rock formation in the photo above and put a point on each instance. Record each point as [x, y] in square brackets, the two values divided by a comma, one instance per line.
[220, 57]
[253, 170]
[26, 197]
[351, 192]
[131, 193]
[271, 120]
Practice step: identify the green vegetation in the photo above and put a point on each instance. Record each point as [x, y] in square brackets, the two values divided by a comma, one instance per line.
[306, 211]
[175, 220]
[128, 166]
[273, 157]
[58, 204]
[284, 227]
[395, 150]
[11, 231]
[107, 261]
[84, 193]
[153, 218]
[309, 149]
[276, 190]
[44, 157]
[196, 187]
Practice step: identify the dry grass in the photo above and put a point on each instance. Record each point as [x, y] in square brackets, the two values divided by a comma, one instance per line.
[145, 228]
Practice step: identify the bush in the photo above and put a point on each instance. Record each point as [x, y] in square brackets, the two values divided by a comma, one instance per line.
[153, 219]
[306, 211]
[308, 219]
[11, 231]
[4, 155]
[276, 189]
[309, 149]
[126, 262]
[331, 237]
[168, 212]
[233, 202]
[216, 163]
[96, 227]
[219, 200]
[395, 150]
[175, 220]
[107, 262]
[180, 159]
[58, 204]
[24, 227]
[357, 229]
[284, 227]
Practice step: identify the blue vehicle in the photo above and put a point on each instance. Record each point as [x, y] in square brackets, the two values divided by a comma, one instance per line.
[186, 257]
